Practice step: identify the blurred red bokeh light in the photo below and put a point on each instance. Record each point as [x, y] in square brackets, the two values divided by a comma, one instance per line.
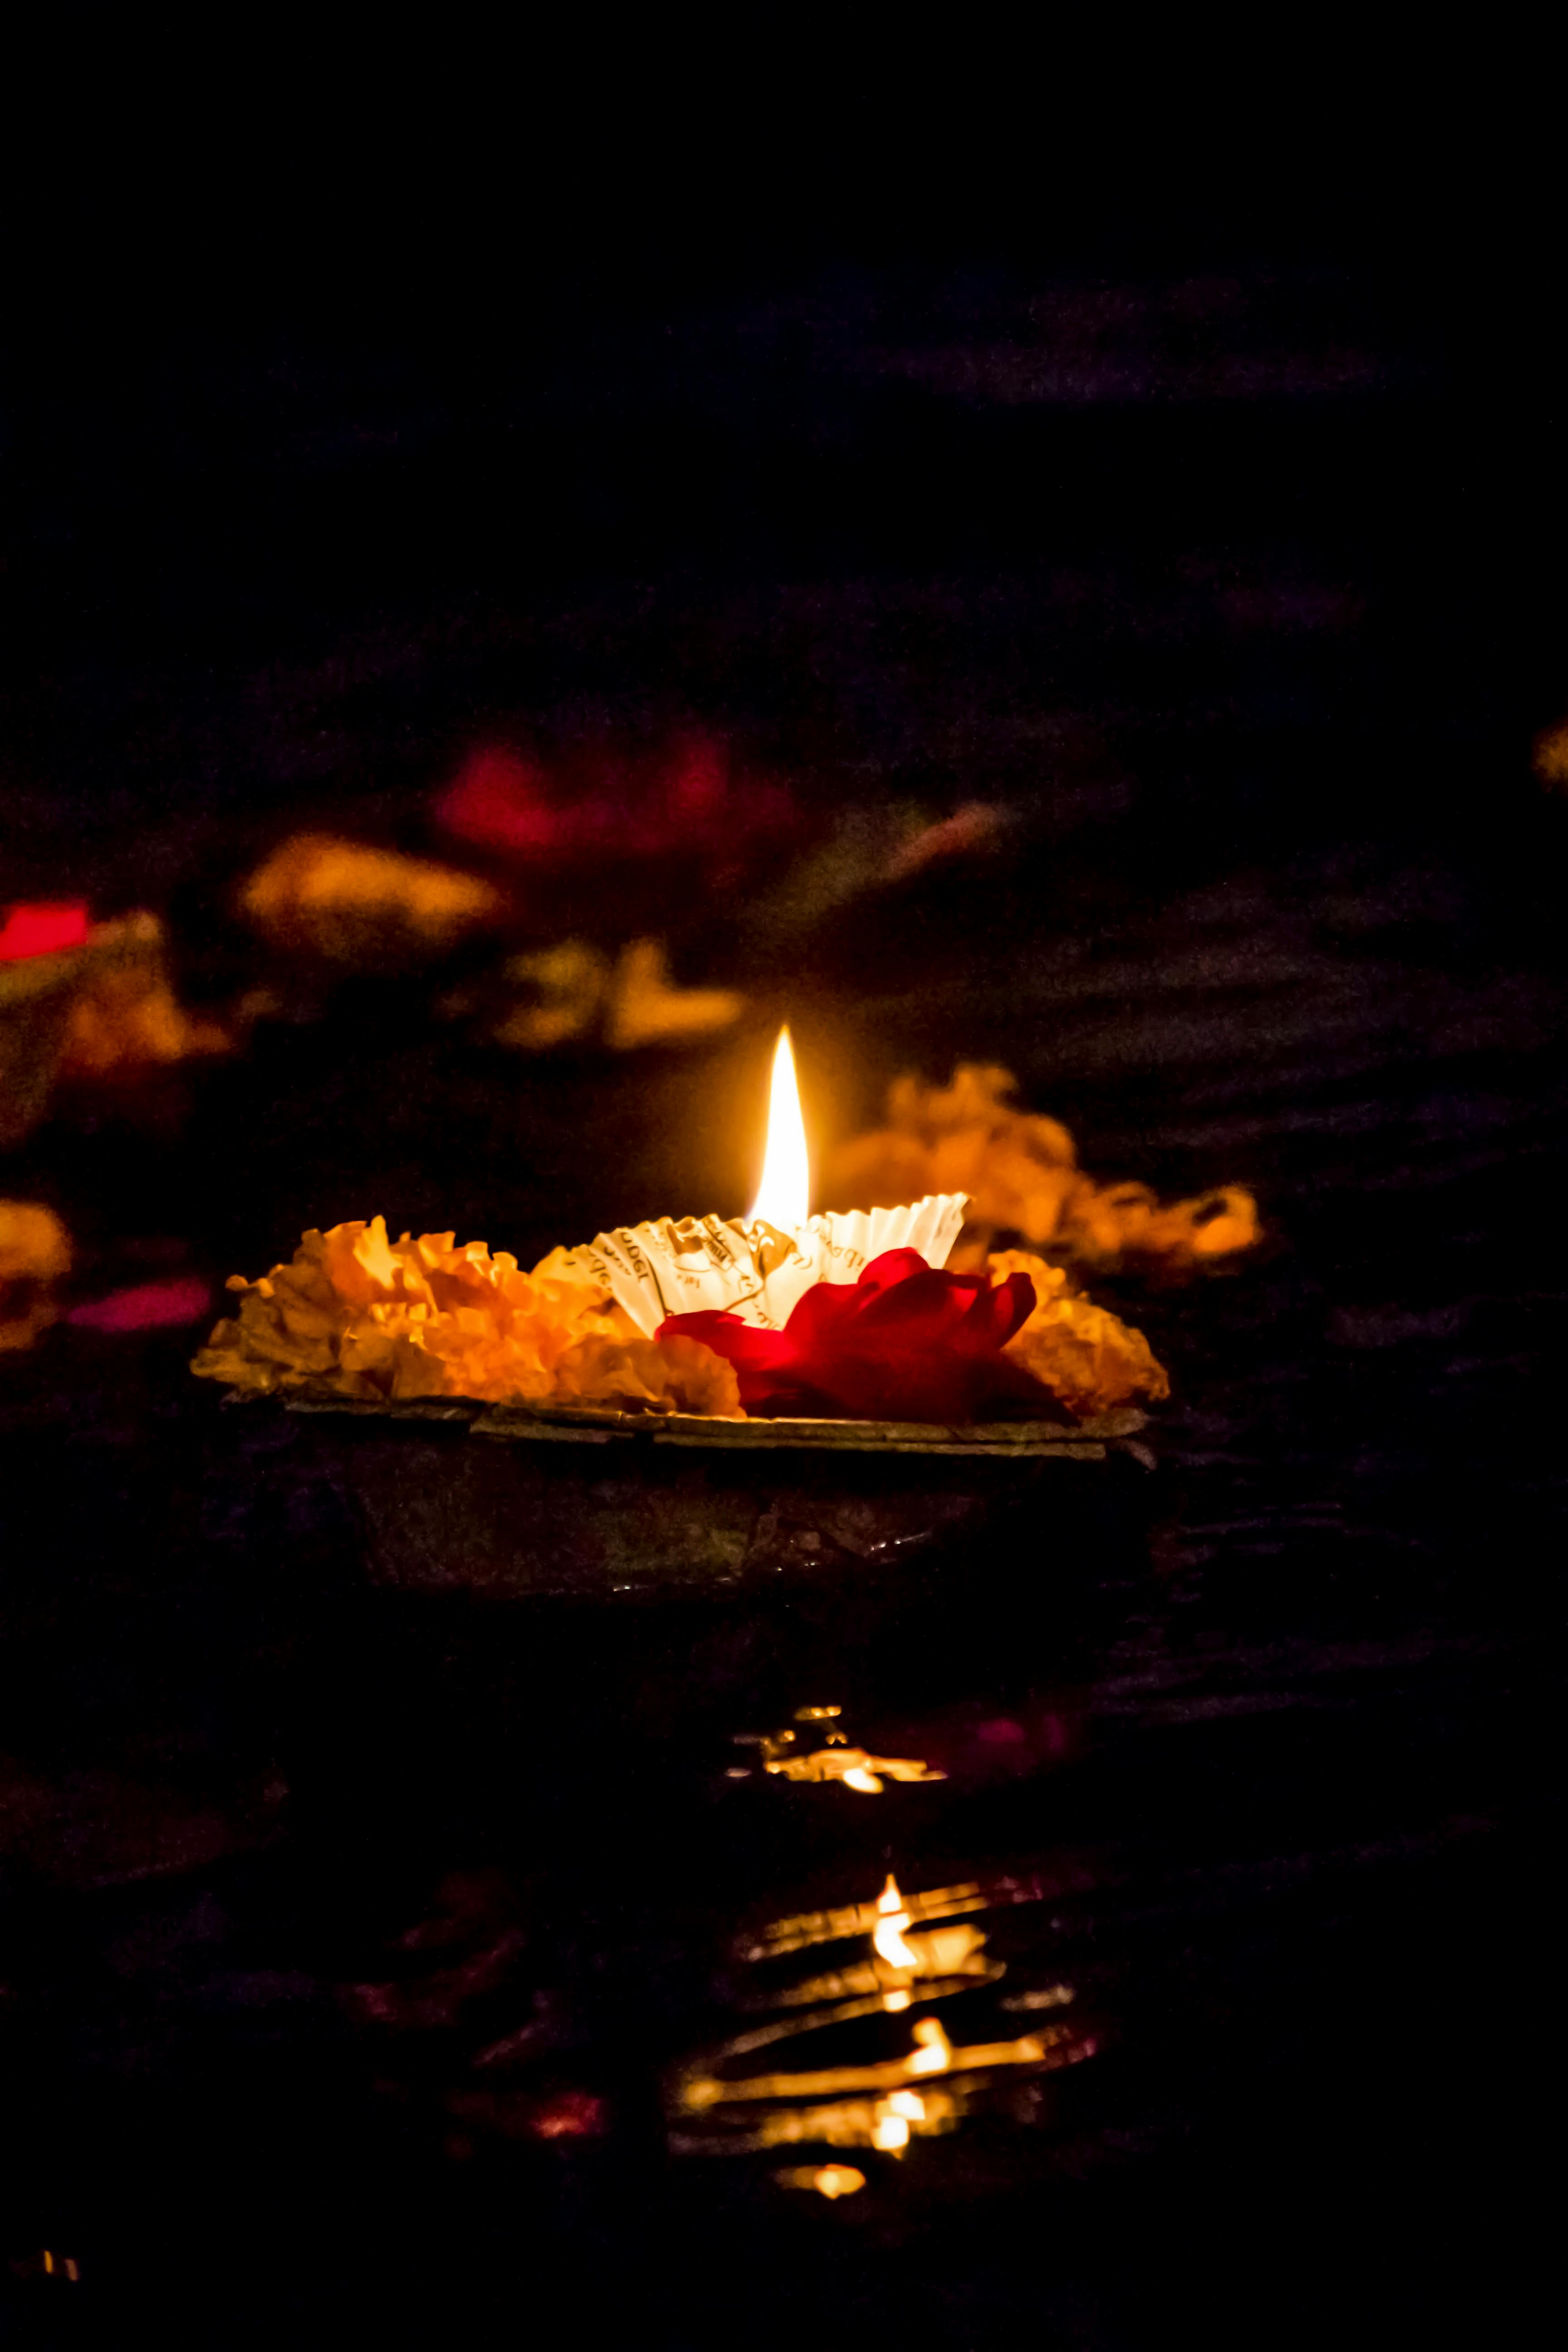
[42, 928]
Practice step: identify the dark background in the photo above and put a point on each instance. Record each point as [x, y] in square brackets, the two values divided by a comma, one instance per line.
[1204, 502]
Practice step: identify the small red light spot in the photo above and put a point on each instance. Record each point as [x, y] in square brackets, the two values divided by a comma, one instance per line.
[149, 1307]
[500, 800]
[575, 2114]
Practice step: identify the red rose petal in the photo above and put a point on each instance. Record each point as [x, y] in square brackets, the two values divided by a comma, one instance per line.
[908, 1341]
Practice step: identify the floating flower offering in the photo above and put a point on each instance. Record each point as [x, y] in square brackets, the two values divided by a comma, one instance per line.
[768, 1394]
[850, 1317]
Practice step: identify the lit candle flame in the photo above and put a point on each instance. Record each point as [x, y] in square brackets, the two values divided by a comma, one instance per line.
[783, 1197]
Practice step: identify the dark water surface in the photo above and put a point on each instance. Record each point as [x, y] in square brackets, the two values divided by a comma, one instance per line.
[1261, 1741]
[355, 1947]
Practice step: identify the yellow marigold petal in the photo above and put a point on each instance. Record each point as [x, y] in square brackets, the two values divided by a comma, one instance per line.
[1085, 1355]
[1049, 1281]
[373, 1251]
[1220, 1223]
[676, 1375]
[1049, 1141]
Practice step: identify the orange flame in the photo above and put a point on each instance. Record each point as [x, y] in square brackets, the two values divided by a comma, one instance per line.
[889, 1933]
[829, 2180]
[783, 1197]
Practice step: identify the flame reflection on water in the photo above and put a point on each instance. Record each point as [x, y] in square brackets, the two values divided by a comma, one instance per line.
[877, 2103]
[836, 1759]
[829, 2180]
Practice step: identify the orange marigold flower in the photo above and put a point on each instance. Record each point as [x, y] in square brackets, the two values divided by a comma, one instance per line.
[362, 908]
[354, 1314]
[35, 1252]
[1085, 1355]
[1022, 1176]
[642, 1375]
[125, 1015]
